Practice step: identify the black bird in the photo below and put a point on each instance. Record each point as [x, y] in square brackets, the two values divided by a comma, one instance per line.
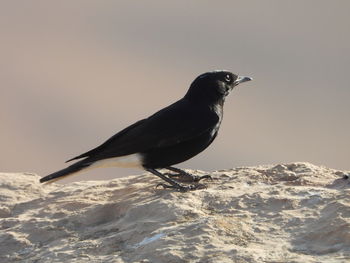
[170, 136]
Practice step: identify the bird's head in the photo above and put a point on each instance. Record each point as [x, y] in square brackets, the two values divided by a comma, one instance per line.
[214, 86]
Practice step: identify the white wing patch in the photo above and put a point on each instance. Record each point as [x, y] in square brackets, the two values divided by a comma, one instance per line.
[127, 161]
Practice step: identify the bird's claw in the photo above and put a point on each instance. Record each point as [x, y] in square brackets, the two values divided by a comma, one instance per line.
[182, 188]
[186, 177]
[198, 178]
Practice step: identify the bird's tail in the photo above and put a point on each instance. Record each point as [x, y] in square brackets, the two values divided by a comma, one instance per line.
[74, 168]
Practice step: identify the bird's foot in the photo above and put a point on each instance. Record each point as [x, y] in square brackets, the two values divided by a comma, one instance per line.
[173, 184]
[182, 188]
[186, 177]
[189, 177]
[197, 178]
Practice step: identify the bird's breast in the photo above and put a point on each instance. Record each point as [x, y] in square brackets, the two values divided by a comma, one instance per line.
[217, 109]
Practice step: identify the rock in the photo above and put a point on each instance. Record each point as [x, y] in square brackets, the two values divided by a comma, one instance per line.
[295, 212]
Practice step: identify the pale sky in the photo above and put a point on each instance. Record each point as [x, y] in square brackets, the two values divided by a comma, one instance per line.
[73, 73]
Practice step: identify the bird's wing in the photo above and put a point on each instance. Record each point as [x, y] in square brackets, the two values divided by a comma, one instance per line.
[174, 124]
[108, 142]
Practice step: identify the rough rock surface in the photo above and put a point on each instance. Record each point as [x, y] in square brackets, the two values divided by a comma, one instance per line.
[293, 212]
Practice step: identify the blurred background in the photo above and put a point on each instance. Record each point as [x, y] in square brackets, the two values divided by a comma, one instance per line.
[73, 73]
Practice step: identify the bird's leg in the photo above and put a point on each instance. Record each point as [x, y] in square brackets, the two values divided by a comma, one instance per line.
[186, 177]
[173, 184]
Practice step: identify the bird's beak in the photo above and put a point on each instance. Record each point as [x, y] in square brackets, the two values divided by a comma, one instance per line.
[241, 79]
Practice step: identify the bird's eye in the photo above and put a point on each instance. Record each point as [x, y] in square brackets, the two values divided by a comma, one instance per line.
[228, 78]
